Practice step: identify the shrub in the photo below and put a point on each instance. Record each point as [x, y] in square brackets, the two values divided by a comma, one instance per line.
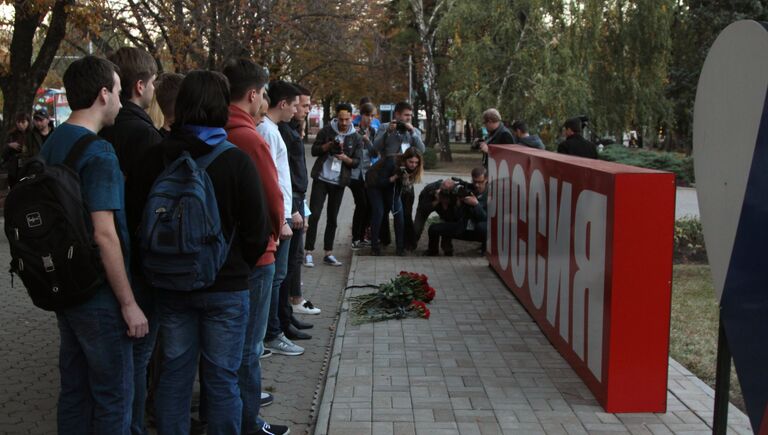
[680, 165]
[689, 241]
[430, 158]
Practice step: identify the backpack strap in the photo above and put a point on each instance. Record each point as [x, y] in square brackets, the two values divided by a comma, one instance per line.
[206, 159]
[78, 149]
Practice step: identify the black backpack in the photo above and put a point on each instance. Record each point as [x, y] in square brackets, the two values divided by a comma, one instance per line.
[52, 249]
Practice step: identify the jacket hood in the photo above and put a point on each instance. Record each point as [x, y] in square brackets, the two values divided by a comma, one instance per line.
[335, 127]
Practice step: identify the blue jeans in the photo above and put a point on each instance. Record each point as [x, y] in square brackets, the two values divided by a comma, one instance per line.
[211, 324]
[96, 367]
[383, 201]
[142, 352]
[281, 269]
[260, 286]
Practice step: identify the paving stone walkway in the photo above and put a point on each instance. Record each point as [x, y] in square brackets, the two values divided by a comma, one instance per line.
[479, 365]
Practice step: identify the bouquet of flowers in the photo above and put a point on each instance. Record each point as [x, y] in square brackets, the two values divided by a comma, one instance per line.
[406, 295]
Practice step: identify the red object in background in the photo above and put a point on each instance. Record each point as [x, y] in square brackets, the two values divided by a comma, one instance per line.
[586, 246]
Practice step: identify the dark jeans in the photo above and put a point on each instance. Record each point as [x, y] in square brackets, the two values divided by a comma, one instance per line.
[407, 197]
[142, 352]
[423, 210]
[291, 286]
[214, 325]
[321, 189]
[454, 230]
[362, 215]
[96, 368]
[249, 375]
[382, 201]
[274, 328]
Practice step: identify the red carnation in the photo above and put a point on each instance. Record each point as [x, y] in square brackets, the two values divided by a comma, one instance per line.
[430, 294]
[421, 308]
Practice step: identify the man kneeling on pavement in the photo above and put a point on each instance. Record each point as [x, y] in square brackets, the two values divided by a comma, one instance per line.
[462, 208]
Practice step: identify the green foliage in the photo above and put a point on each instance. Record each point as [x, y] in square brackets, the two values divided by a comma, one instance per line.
[689, 241]
[430, 158]
[679, 164]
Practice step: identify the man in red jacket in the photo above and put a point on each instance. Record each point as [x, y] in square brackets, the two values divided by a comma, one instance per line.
[247, 81]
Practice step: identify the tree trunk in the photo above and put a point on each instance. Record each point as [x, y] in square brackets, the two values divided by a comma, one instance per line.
[21, 81]
[427, 28]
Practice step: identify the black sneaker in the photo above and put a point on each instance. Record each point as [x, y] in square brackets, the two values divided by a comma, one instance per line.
[274, 429]
[266, 399]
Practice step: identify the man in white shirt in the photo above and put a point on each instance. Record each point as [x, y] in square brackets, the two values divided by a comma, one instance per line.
[283, 103]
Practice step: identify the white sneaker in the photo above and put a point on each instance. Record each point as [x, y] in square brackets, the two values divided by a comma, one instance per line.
[305, 307]
[308, 261]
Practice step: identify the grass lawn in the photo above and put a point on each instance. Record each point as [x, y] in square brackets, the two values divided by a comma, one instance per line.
[693, 333]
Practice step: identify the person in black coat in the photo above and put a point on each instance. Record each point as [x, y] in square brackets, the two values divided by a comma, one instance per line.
[498, 133]
[574, 143]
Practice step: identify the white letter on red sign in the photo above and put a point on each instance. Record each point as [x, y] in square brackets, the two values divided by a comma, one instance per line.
[537, 224]
[589, 253]
[502, 194]
[559, 256]
[519, 203]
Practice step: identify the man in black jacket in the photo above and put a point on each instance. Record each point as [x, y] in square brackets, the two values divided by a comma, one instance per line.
[574, 143]
[291, 299]
[498, 133]
[132, 135]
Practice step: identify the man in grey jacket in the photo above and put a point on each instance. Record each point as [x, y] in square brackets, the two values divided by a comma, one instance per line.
[400, 134]
[396, 138]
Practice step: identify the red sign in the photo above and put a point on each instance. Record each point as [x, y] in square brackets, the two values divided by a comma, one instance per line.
[586, 246]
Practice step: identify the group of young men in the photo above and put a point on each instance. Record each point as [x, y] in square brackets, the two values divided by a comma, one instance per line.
[248, 311]
[254, 129]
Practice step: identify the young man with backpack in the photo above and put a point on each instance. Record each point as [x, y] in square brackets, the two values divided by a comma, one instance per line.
[132, 135]
[247, 81]
[95, 357]
[204, 226]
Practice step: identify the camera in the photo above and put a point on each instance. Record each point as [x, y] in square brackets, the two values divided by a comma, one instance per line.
[476, 144]
[461, 189]
[335, 147]
[401, 127]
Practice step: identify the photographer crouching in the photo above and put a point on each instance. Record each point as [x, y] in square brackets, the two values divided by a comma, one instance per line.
[464, 210]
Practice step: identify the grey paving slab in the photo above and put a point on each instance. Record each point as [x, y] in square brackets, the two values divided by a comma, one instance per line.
[479, 365]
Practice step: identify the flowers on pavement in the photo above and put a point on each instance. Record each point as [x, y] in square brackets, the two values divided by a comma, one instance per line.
[406, 295]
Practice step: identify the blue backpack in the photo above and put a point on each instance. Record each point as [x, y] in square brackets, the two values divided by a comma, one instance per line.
[182, 243]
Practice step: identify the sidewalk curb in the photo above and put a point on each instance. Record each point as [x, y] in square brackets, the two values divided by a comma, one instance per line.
[327, 392]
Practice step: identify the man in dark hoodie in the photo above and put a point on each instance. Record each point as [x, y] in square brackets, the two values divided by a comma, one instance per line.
[338, 148]
[574, 143]
[131, 135]
[520, 129]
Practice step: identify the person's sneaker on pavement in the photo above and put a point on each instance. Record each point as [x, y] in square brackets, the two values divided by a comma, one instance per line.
[266, 353]
[274, 429]
[308, 261]
[331, 260]
[266, 399]
[283, 346]
[305, 307]
[357, 244]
